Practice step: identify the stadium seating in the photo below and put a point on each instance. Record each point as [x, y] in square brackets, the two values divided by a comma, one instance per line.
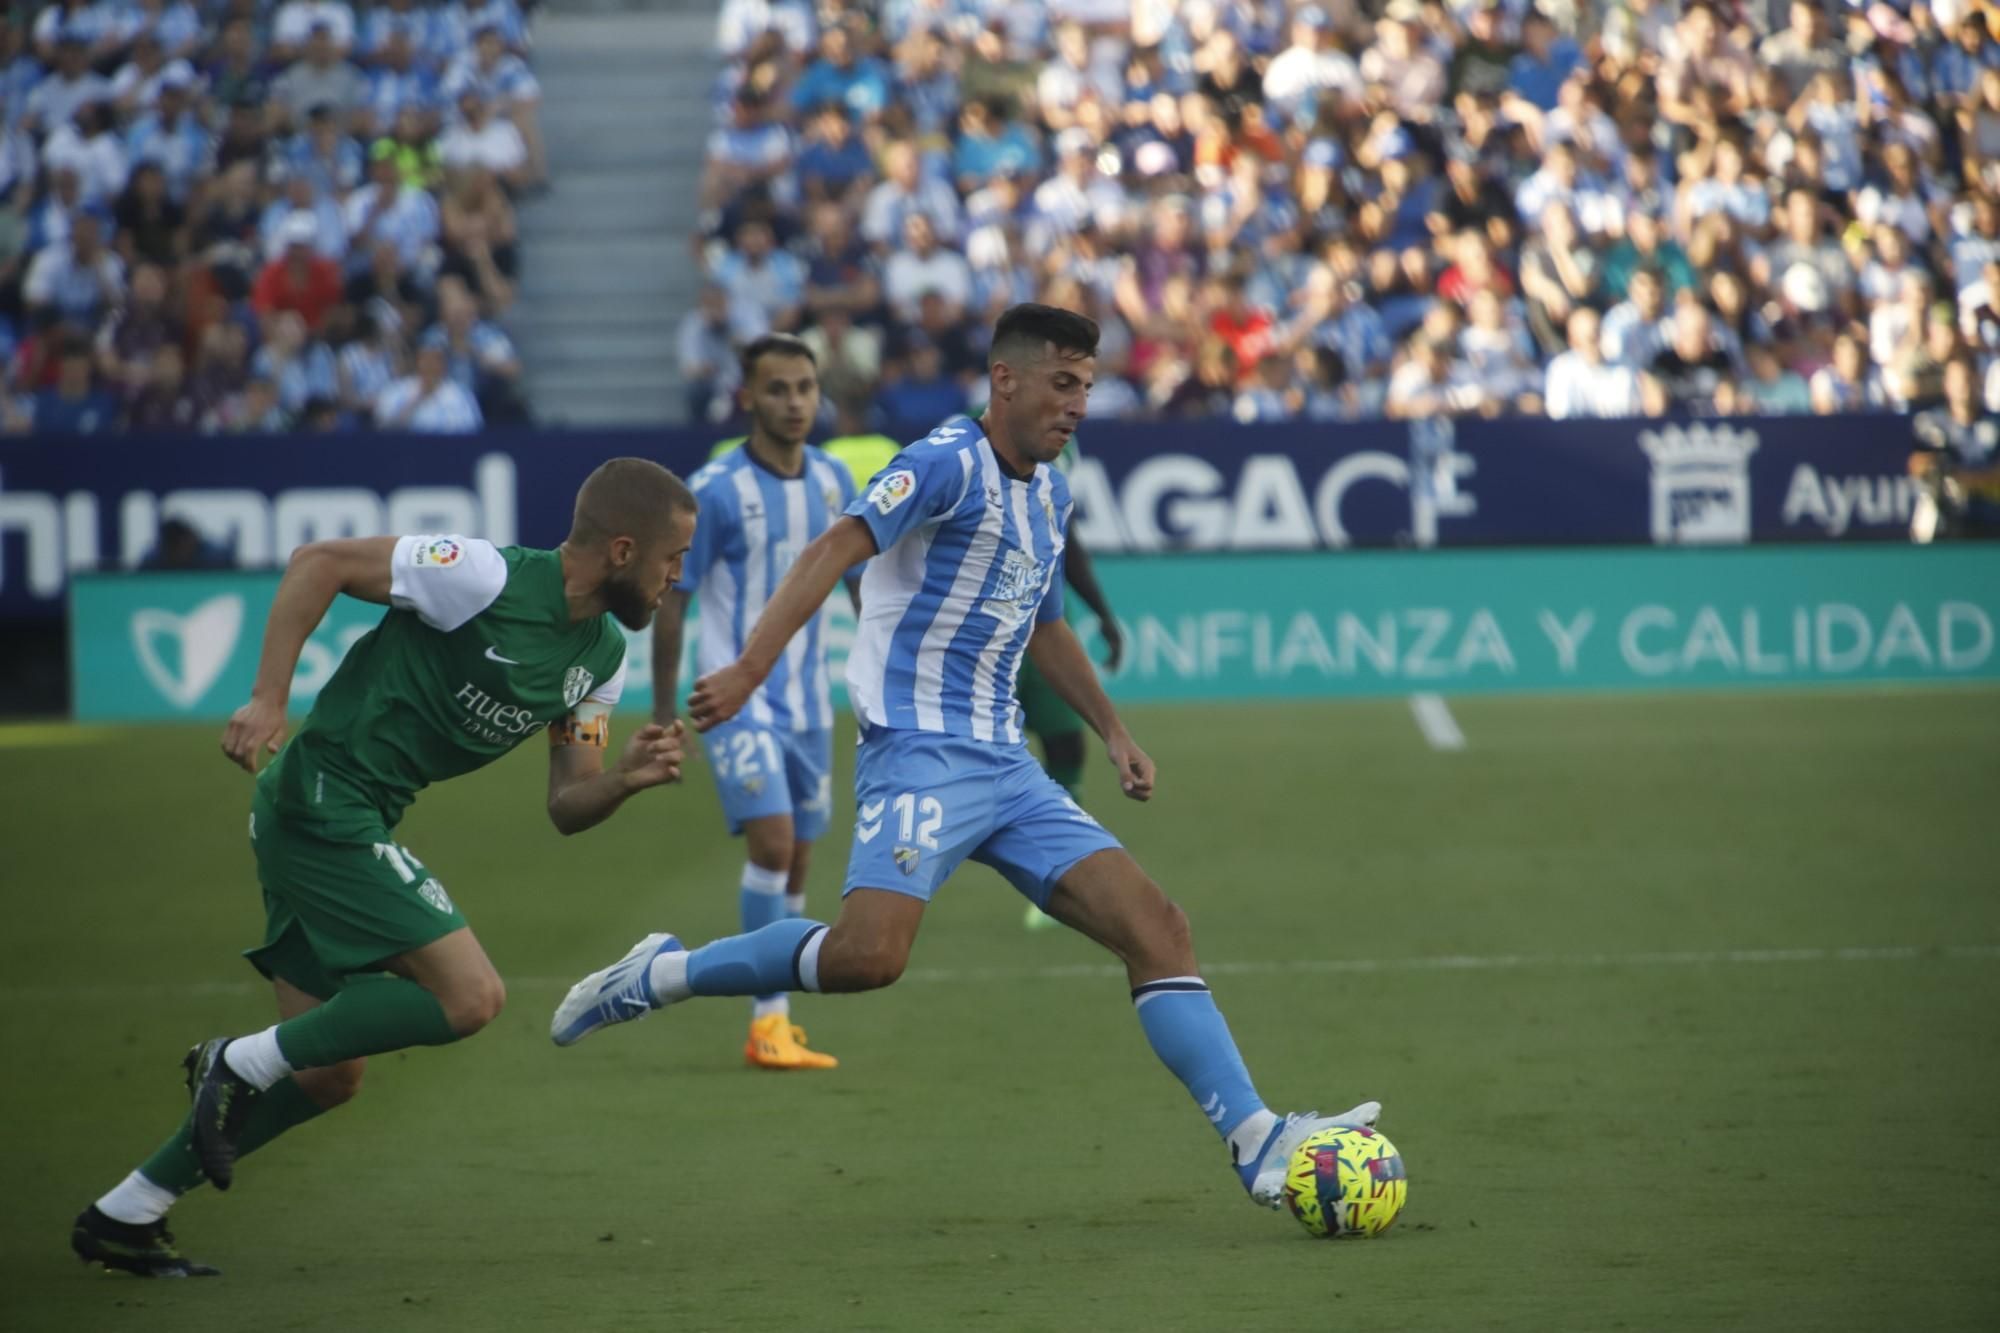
[233, 216]
[1335, 211]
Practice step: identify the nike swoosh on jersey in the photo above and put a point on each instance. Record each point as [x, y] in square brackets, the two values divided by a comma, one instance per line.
[492, 656]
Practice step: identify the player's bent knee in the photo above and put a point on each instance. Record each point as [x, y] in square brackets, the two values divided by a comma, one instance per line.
[870, 972]
[332, 1085]
[473, 1004]
[870, 967]
[1164, 937]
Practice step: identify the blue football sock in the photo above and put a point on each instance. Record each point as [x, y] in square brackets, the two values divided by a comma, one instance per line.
[760, 901]
[783, 956]
[1188, 1034]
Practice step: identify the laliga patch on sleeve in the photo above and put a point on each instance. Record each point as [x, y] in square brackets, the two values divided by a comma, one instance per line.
[440, 553]
[894, 488]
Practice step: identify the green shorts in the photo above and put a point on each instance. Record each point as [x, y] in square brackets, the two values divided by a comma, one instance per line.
[332, 909]
[1047, 714]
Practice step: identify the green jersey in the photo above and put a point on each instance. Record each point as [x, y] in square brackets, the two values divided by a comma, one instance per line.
[475, 654]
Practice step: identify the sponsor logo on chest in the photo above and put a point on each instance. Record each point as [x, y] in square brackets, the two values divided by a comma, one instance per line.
[502, 721]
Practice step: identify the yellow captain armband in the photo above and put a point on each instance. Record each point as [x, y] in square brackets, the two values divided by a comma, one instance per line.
[587, 724]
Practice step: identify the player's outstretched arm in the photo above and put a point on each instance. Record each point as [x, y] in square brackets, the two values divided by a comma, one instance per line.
[315, 575]
[582, 792]
[801, 593]
[1059, 656]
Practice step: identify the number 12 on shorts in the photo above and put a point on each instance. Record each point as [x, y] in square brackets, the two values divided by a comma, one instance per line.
[909, 808]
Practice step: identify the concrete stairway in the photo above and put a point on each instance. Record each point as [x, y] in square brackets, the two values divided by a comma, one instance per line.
[607, 272]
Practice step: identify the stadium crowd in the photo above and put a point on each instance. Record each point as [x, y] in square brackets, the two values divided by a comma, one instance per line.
[1350, 209]
[232, 215]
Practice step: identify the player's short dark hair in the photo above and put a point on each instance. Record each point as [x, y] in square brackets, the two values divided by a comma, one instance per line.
[1024, 329]
[772, 344]
[628, 497]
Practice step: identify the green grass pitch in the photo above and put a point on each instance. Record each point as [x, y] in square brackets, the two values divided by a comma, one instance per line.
[1650, 1092]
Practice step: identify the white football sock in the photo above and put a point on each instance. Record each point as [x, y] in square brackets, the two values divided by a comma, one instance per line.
[257, 1060]
[756, 879]
[795, 904]
[1247, 1139]
[668, 976]
[137, 1201]
[777, 1004]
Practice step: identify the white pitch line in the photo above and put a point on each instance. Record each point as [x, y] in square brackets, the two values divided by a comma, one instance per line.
[1498, 962]
[1434, 719]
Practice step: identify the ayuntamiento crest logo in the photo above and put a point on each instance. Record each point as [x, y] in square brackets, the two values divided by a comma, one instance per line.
[1701, 483]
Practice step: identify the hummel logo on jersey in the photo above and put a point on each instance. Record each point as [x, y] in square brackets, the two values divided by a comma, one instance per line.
[870, 822]
[492, 656]
[993, 496]
[1214, 1109]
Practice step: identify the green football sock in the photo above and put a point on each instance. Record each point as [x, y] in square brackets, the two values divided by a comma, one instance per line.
[283, 1106]
[376, 1013]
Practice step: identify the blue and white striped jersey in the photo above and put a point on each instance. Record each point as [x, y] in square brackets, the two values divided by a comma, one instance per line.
[970, 562]
[752, 527]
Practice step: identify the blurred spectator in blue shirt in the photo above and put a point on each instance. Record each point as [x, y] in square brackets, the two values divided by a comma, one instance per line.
[506, 82]
[171, 136]
[74, 405]
[398, 81]
[908, 191]
[709, 338]
[428, 402]
[837, 76]
[323, 154]
[927, 83]
[80, 279]
[1545, 62]
[835, 165]
[464, 22]
[424, 26]
[757, 272]
[479, 356]
[840, 271]
[72, 83]
[753, 150]
[296, 21]
[300, 365]
[742, 22]
[988, 142]
[386, 210]
[919, 391]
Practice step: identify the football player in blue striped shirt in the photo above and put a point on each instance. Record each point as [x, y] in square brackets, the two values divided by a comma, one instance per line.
[966, 530]
[762, 503]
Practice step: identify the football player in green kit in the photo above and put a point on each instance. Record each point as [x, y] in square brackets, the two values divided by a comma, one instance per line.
[481, 648]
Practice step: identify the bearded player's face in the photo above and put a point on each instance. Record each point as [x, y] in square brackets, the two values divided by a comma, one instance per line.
[632, 593]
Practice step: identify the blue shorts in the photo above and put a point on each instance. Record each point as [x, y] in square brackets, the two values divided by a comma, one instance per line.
[925, 802]
[762, 770]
